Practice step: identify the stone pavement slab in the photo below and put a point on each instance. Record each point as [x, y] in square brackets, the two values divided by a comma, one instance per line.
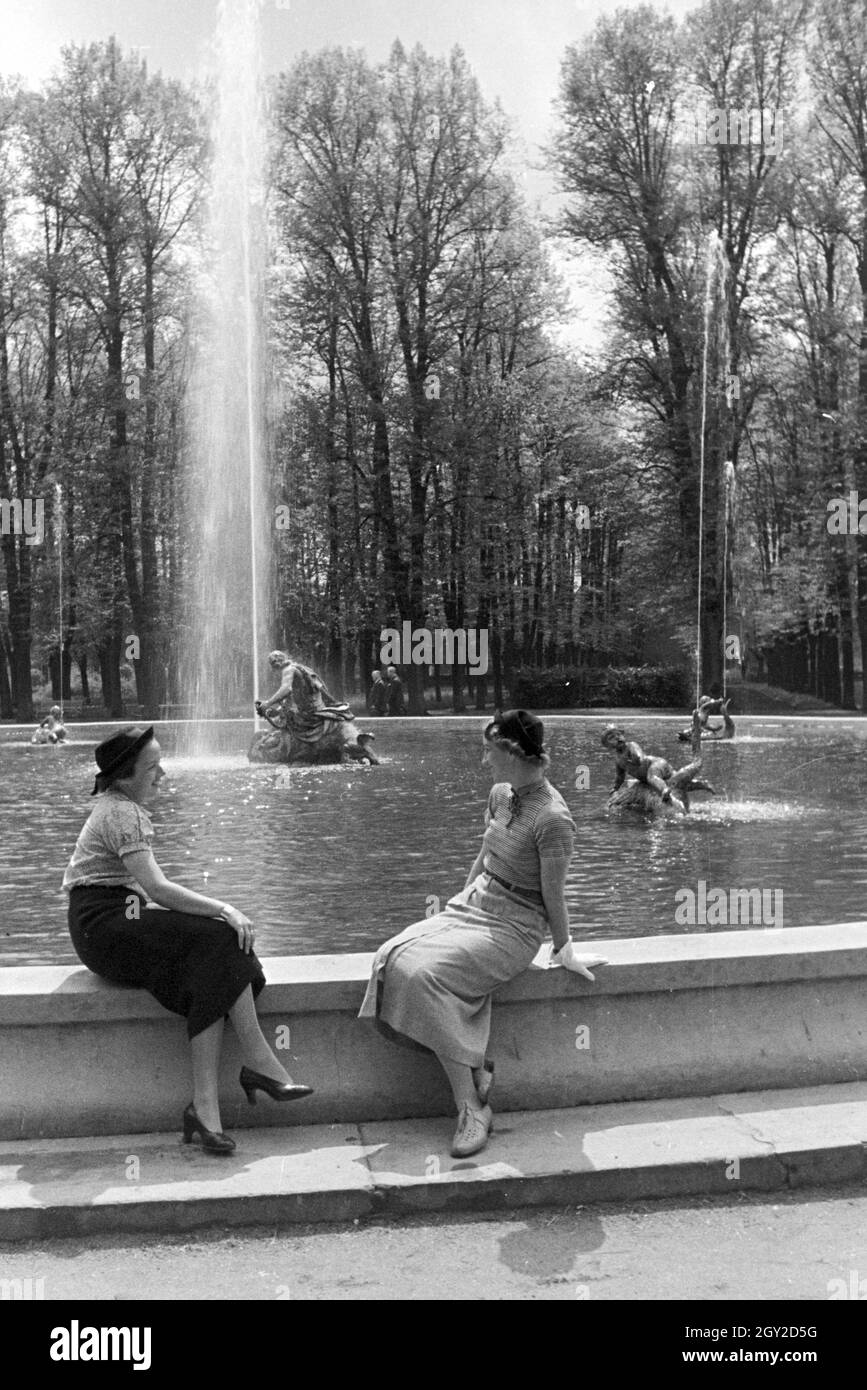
[639, 1149]
[155, 1182]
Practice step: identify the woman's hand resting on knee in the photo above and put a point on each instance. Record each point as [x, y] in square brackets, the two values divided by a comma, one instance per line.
[241, 925]
[579, 965]
[173, 896]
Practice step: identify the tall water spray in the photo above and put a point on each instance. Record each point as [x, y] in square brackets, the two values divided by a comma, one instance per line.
[716, 272]
[58, 496]
[227, 504]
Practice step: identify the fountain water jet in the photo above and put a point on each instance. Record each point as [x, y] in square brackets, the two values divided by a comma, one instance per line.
[58, 492]
[227, 499]
[716, 272]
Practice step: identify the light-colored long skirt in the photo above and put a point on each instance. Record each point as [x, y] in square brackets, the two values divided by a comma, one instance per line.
[430, 986]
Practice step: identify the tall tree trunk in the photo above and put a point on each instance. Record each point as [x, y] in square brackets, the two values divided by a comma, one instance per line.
[85, 681]
[15, 548]
[109, 653]
[6, 707]
[334, 663]
[150, 667]
[860, 447]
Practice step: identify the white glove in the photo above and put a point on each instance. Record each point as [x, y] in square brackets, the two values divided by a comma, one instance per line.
[579, 965]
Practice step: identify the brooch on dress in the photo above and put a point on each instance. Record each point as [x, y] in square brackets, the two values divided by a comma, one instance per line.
[514, 807]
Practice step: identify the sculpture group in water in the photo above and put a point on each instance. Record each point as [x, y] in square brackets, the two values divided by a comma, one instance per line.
[51, 730]
[649, 784]
[706, 707]
[308, 726]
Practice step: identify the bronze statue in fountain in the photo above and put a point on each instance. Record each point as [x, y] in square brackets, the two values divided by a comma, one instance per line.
[649, 784]
[308, 726]
[706, 707]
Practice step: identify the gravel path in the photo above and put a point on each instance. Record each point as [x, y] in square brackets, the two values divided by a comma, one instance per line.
[748, 1247]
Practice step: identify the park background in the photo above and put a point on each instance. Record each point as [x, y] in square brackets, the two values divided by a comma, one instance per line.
[496, 340]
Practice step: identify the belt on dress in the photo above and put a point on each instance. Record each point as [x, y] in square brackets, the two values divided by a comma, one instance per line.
[530, 893]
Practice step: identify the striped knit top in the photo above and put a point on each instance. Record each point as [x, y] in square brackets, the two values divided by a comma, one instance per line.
[522, 828]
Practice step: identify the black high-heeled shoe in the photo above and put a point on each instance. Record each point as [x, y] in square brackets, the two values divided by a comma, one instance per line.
[253, 1081]
[212, 1141]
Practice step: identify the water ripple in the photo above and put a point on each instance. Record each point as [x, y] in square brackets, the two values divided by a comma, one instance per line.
[337, 859]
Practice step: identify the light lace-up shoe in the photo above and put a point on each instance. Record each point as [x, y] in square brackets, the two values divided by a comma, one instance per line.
[472, 1132]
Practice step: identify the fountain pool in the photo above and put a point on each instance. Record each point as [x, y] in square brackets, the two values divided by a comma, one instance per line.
[329, 860]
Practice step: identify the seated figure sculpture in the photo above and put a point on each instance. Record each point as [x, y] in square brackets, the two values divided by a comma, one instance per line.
[51, 729]
[646, 783]
[309, 725]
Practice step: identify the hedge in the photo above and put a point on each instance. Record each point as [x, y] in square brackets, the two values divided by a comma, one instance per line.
[612, 686]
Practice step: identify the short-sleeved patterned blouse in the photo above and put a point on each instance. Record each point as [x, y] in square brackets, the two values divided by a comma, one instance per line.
[116, 826]
[524, 827]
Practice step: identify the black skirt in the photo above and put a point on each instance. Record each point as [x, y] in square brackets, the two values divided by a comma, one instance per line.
[192, 965]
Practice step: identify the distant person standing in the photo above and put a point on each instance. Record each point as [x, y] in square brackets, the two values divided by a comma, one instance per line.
[377, 695]
[394, 691]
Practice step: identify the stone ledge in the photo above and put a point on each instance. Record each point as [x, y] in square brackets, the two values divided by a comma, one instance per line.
[70, 994]
[670, 1016]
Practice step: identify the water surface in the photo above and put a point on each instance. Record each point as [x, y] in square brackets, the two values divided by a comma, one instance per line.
[336, 859]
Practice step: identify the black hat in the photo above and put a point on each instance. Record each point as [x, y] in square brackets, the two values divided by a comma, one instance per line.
[521, 727]
[119, 749]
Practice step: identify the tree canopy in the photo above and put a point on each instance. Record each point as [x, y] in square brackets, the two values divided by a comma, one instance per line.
[437, 456]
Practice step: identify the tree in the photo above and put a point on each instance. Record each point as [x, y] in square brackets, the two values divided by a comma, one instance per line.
[838, 63]
[624, 98]
[385, 179]
[132, 155]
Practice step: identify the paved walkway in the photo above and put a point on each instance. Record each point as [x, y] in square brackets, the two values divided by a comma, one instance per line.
[809, 1245]
[768, 1141]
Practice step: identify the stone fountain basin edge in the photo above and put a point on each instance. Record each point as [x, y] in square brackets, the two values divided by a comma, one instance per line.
[685, 1015]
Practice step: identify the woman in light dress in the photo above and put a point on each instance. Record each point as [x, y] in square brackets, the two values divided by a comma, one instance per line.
[430, 987]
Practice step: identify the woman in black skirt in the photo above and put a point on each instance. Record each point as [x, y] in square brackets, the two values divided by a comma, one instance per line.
[196, 957]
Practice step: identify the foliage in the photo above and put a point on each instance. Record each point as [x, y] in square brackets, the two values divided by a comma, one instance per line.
[443, 459]
[624, 687]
